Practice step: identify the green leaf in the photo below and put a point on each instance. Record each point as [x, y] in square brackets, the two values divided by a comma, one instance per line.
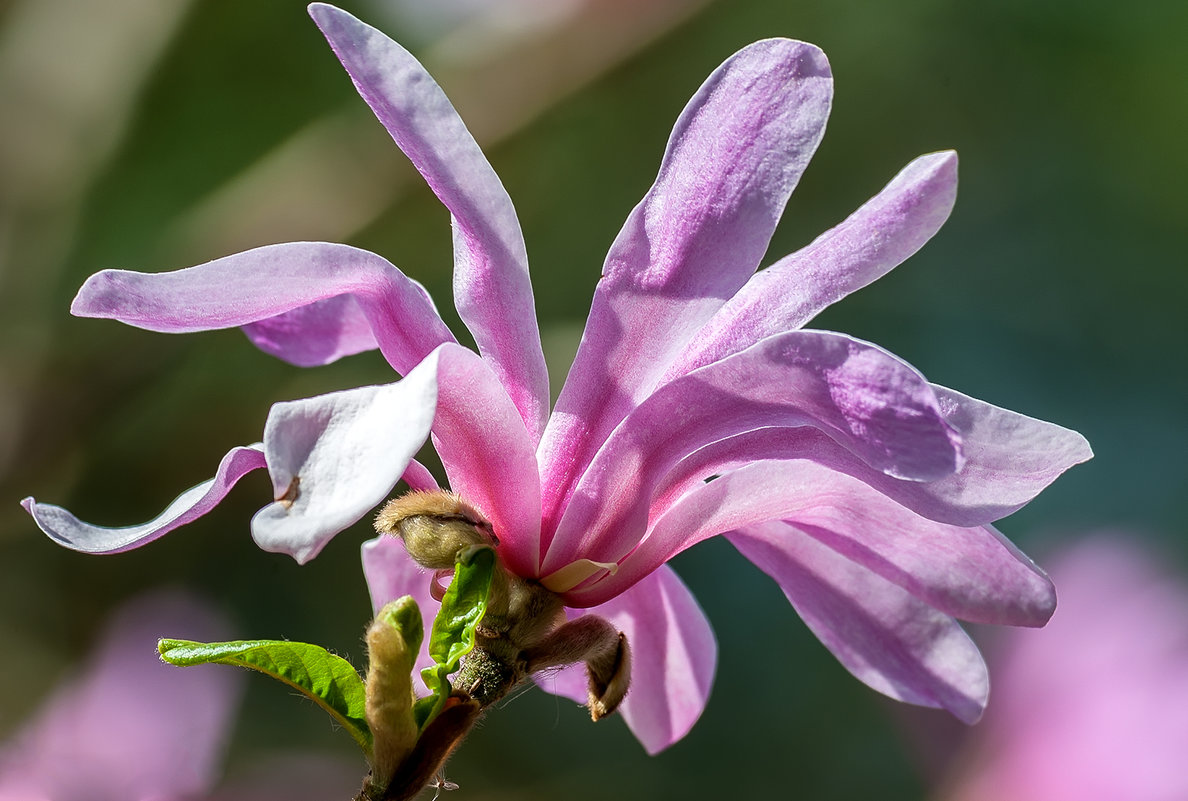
[452, 638]
[329, 680]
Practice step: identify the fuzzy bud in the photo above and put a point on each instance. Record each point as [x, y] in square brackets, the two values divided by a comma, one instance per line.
[393, 642]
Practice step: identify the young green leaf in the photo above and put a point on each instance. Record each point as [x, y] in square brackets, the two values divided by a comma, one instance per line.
[329, 680]
[462, 608]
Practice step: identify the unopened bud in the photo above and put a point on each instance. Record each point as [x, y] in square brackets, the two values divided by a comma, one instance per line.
[393, 642]
[435, 526]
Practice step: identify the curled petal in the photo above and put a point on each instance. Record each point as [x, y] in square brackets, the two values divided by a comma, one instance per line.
[390, 574]
[334, 457]
[876, 238]
[886, 637]
[969, 573]
[735, 155]
[488, 454]
[68, 530]
[306, 302]
[673, 659]
[865, 399]
[491, 286]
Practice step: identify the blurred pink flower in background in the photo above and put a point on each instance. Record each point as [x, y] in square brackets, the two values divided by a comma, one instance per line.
[130, 728]
[1095, 706]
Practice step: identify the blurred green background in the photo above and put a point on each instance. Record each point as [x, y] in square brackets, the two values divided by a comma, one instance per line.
[155, 134]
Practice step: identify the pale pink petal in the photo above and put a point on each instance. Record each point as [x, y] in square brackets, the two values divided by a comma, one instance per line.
[970, 573]
[491, 286]
[674, 656]
[871, 403]
[876, 238]
[66, 529]
[887, 638]
[390, 574]
[734, 157]
[333, 458]
[418, 477]
[488, 454]
[131, 727]
[293, 298]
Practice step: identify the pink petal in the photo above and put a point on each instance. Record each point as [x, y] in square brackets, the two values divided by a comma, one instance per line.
[871, 403]
[306, 302]
[488, 454]
[392, 574]
[68, 530]
[334, 457]
[347, 450]
[131, 727]
[674, 656]
[491, 286]
[970, 573]
[879, 236]
[735, 155]
[886, 637]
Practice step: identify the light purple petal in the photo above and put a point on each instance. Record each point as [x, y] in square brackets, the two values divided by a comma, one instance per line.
[674, 656]
[491, 286]
[131, 727]
[335, 457]
[391, 573]
[488, 454]
[871, 403]
[290, 297]
[1009, 459]
[68, 530]
[734, 157]
[876, 238]
[970, 573]
[887, 638]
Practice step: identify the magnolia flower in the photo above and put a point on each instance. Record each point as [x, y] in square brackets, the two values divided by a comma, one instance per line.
[697, 404]
[1096, 708]
[130, 728]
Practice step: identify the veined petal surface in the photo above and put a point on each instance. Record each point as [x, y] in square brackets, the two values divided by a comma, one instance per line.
[876, 238]
[886, 637]
[66, 529]
[673, 659]
[871, 403]
[305, 302]
[734, 157]
[492, 289]
[1009, 459]
[970, 573]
